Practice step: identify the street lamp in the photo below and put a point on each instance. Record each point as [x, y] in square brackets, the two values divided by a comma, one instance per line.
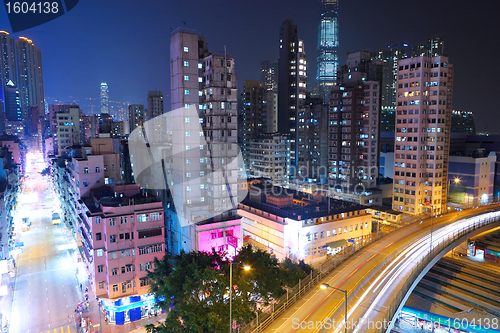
[246, 268]
[324, 286]
[99, 310]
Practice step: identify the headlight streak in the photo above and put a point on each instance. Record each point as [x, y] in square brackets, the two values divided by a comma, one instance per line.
[416, 251]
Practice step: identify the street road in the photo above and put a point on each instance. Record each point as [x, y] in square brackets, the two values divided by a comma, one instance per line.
[310, 312]
[45, 292]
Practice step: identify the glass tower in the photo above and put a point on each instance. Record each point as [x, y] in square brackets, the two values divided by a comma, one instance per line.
[104, 98]
[328, 43]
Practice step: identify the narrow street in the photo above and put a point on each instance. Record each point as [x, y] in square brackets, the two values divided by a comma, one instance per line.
[46, 292]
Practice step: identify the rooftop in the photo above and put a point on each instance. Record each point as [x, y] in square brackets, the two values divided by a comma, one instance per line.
[316, 205]
[118, 196]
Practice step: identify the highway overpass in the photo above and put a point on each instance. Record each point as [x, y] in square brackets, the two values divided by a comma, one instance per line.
[379, 278]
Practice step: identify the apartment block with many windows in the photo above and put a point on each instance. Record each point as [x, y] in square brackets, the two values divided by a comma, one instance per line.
[423, 120]
[121, 233]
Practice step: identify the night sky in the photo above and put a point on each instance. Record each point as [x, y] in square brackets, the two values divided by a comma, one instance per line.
[126, 43]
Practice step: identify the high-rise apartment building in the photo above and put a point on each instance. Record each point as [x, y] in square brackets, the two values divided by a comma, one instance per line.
[269, 82]
[254, 122]
[353, 136]
[103, 125]
[463, 121]
[328, 43]
[64, 123]
[423, 121]
[136, 115]
[12, 103]
[269, 75]
[390, 56]
[292, 74]
[205, 81]
[312, 142]
[154, 110]
[104, 98]
[268, 156]
[30, 74]
[8, 67]
[155, 105]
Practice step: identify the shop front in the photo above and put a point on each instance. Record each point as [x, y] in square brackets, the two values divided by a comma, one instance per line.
[129, 309]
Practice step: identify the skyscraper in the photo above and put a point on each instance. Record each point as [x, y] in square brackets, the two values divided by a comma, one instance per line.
[104, 98]
[253, 115]
[390, 56]
[353, 133]
[463, 121]
[30, 71]
[312, 145]
[292, 74]
[65, 126]
[155, 104]
[269, 75]
[423, 120]
[8, 68]
[328, 43]
[136, 115]
[269, 82]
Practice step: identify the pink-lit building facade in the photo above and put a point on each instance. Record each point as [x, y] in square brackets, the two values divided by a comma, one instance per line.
[223, 236]
[120, 232]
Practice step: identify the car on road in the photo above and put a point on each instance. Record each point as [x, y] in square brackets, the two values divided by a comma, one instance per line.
[56, 218]
[27, 221]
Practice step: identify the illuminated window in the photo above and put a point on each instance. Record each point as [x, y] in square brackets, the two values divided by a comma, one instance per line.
[186, 77]
[186, 63]
[186, 49]
[186, 92]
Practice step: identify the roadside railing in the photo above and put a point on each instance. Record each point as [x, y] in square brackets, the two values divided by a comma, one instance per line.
[419, 268]
[270, 313]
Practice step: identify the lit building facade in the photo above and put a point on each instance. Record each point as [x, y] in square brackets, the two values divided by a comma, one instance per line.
[353, 136]
[422, 142]
[471, 178]
[328, 43]
[204, 81]
[463, 121]
[8, 67]
[269, 75]
[312, 142]
[269, 157]
[253, 115]
[136, 116]
[292, 224]
[292, 75]
[120, 233]
[64, 122]
[30, 73]
[104, 98]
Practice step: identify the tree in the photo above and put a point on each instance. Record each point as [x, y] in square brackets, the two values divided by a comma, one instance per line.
[193, 281]
[198, 282]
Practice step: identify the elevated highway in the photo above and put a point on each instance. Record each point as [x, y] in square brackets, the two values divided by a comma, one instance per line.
[379, 278]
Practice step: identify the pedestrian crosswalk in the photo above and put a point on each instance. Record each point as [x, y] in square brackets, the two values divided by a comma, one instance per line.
[61, 330]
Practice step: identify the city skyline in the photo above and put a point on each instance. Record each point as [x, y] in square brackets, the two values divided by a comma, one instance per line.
[81, 73]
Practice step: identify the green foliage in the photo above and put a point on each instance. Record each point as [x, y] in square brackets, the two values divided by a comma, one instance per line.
[199, 284]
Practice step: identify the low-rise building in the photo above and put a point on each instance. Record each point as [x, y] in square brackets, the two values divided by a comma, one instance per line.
[301, 226]
[120, 233]
[471, 178]
[385, 216]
